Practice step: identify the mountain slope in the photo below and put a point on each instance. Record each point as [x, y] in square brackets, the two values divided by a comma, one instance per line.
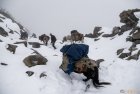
[123, 74]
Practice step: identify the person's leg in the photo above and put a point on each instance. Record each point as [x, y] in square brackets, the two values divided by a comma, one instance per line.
[53, 44]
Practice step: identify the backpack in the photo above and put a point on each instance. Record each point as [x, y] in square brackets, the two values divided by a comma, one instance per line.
[71, 55]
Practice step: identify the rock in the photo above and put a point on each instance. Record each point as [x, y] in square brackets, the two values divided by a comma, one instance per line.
[137, 42]
[134, 57]
[1, 40]
[11, 31]
[35, 44]
[120, 51]
[3, 32]
[12, 48]
[1, 20]
[34, 60]
[30, 73]
[124, 55]
[4, 64]
[129, 38]
[124, 28]
[136, 35]
[96, 33]
[107, 35]
[97, 39]
[89, 35]
[43, 75]
[23, 42]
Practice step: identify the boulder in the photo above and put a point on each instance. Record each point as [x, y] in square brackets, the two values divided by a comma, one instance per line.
[12, 48]
[3, 32]
[34, 60]
[35, 44]
[43, 75]
[124, 55]
[30, 73]
[120, 51]
[4, 64]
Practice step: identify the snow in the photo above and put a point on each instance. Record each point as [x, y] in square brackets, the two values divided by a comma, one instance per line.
[123, 74]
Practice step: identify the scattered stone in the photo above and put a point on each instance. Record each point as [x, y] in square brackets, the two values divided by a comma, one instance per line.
[35, 44]
[96, 39]
[124, 55]
[120, 51]
[134, 57]
[11, 31]
[43, 75]
[30, 73]
[12, 48]
[4, 64]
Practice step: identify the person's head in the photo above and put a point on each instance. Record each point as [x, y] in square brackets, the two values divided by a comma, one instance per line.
[50, 34]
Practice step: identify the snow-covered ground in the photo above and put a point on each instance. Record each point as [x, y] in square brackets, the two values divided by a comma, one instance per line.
[123, 74]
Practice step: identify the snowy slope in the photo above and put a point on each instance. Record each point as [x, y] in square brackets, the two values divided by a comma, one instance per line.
[124, 75]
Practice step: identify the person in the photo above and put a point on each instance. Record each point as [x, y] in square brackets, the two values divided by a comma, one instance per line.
[53, 40]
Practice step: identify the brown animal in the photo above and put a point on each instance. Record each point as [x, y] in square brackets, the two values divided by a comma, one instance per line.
[44, 38]
[66, 38]
[24, 35]
[76, 36]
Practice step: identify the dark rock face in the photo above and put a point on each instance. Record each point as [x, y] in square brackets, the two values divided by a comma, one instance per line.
[3, 32]
[34, 60]
[12, 48]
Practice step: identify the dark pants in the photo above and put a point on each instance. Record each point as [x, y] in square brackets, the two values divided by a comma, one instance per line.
[53, 44]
